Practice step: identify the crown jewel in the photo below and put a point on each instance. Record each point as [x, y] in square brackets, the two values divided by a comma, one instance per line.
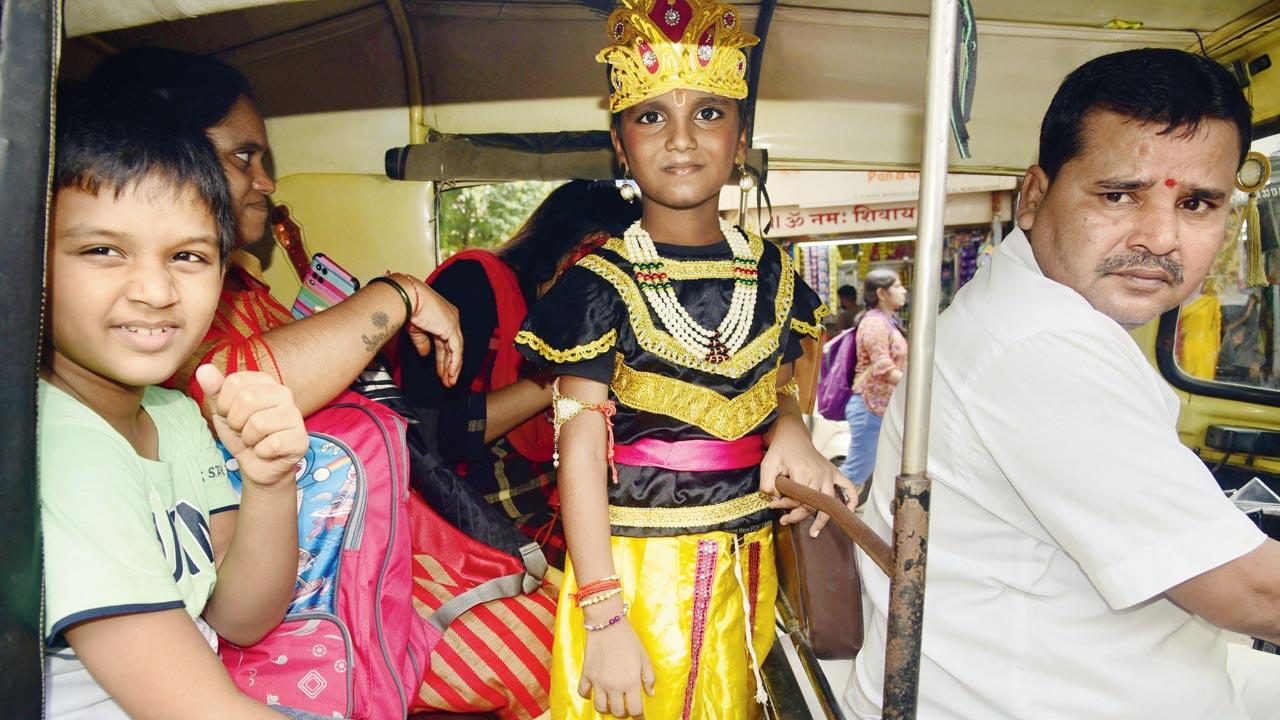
[661, 45]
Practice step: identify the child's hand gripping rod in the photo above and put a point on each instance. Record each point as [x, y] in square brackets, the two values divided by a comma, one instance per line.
[852, 525]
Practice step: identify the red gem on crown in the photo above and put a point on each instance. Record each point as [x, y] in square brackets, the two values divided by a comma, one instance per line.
[647, 56]
[705, 47]
[729, 19]
[672, 17]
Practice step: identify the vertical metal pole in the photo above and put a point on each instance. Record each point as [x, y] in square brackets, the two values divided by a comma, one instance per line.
[911, 494]
[30, 42]
[418, 129]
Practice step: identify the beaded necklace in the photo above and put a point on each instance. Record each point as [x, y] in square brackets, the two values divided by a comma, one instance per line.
[715, 346]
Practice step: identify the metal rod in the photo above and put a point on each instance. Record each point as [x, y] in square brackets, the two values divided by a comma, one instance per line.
[826, 698]
[418, 128]
[911, 494]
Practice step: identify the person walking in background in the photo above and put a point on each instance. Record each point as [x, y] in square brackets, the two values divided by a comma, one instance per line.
[845, 319]
[881, 359]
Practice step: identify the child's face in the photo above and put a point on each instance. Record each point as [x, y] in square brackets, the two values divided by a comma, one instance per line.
[681, 146]
[133, 280]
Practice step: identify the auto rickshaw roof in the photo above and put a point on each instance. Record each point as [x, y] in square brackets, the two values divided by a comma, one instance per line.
[841, 86]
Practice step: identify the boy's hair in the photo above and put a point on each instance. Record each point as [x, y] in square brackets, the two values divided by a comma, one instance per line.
[105, 142]
[1173, 88]
[847, 292]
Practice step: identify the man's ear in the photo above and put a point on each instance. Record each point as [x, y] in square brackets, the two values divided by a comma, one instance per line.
[619, 152]
[1035, 186]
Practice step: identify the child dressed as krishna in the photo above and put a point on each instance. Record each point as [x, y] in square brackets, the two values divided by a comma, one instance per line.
[675, 408]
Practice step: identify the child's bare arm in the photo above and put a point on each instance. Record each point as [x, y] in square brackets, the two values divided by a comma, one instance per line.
[158, 665]
[791, 453]
[256, 547]
[615, 666]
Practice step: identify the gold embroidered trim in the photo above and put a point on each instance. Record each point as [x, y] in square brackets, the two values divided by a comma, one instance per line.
[688, 517]
[805, 328]
[568, 355]
[678, 269]
[727, 419]
[813, 329]
[792, 388]
[660, 343]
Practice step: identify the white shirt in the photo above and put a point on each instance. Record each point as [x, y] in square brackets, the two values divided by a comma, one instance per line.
[1063, 506]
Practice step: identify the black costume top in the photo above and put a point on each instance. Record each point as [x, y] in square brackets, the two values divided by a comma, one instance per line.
[595, 323]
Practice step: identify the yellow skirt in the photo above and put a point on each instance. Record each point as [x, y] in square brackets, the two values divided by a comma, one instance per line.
[689, 609]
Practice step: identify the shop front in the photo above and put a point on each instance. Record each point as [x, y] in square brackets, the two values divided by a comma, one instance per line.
[841, 225]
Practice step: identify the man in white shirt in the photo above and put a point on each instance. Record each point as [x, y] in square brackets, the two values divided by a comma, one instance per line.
[1081, 559]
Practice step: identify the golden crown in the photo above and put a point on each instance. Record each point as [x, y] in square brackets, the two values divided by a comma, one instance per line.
[661, 45]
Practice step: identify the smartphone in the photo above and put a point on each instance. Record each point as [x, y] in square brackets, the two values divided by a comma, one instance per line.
[325, 284]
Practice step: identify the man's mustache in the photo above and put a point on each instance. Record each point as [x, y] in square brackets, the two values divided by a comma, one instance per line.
[1172, 268]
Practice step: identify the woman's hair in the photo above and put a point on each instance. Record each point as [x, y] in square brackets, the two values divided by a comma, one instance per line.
[878, 279]
[200, 89]
[570, 214]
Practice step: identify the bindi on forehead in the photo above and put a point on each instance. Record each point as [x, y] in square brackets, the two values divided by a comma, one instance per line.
[1170, 183]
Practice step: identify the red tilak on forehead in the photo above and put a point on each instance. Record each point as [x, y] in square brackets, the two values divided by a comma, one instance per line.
[1171, 183]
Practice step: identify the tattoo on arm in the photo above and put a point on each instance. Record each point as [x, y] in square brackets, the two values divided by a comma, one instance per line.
[380, 321]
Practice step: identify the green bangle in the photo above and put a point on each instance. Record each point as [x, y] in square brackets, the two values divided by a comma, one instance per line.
[408, 304]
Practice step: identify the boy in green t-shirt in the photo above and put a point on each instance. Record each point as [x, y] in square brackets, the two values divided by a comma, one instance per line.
[138, 517]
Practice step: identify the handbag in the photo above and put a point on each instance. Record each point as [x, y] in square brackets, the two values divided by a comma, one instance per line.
[819, 578]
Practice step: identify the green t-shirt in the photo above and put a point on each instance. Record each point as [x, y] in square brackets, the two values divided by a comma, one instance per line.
[123, 534]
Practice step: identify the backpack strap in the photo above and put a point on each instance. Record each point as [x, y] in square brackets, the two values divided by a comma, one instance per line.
[535, 567]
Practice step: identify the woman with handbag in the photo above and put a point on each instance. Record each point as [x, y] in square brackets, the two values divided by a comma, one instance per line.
[881, 360]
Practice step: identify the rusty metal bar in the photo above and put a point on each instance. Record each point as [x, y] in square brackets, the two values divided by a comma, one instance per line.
[911, 491]
[906, 596]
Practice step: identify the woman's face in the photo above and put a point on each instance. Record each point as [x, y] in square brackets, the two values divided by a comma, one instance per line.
[680, 146]
[893, 297]
[241, 141]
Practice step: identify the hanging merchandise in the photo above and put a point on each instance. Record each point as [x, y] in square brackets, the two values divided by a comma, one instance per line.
[817, 265]
[1252, 177]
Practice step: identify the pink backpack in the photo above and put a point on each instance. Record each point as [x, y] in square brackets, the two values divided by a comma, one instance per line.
[351, 644]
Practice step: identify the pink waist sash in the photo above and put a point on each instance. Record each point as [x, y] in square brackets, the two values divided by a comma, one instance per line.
[692, 455]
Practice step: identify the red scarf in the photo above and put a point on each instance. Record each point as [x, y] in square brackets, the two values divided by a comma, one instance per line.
[533, 438]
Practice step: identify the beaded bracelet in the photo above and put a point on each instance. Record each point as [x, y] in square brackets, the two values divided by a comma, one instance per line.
[408, 304]
[604, 583]
[610, 622]
[600, 598]
[578, 597]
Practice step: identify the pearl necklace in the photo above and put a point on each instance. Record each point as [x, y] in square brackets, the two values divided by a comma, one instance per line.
[713, 346]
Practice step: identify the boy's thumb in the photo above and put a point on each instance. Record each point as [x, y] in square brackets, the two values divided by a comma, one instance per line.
[210, 379]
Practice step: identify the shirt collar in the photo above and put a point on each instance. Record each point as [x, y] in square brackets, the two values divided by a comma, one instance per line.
[1017, 247]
